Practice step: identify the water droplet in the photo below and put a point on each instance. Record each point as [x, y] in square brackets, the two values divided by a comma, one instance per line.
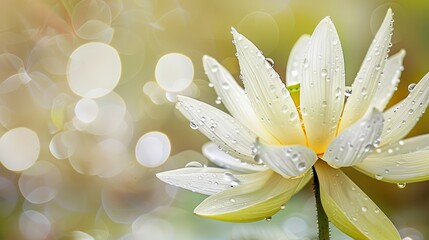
[282, 207]
[323, 72]
[232, 200]
[402, 185]
[211, 85]
[377, 210]
[348, 92]
[376, 142]
[218, 100]
[364, 209]
[235, 183]
[378, 177]
[193, 125]
[227, 176]
[401, 142]
[295, 157]
[214, 68]
[193, 164]
[324, 104]
[306, 63]
[411, 87]
[353, 189]
[386, 171]
[377, 67]
[302, 166]
[364, 91]
[225, 85]
[285, 108]
[292, 116]
[268, 219]
[258, 159]
[410, 111]
[270, 62]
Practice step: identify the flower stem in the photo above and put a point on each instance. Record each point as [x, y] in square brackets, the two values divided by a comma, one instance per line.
[322, 219]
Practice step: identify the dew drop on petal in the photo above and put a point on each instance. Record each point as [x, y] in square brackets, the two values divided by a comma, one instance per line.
[94, 70]
[348, 92]
[19, 149]
[194, 164]
[302, 166]
[364, 209]
[378, 177]
[153, 149]
[218, 100]
[174, 72]
[401, 185]
[411, 87]
[193, 125]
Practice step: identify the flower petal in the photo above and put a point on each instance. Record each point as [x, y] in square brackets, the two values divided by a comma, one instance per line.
[354, 143]
[267, 94]
[389, 80]
[220, 158]
[322, 86]
[402, 117]
[365, 85]
[350, 209]
[252, 201]
[205, 180]
[288, 161]
[220, 127]
[296, 59]
[233, 97]
[401, 162]
[414, 144]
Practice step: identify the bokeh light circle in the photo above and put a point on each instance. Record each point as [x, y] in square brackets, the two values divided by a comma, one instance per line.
[8, 197]
[86, 110]
[40, 183]
[19, 148]
[94, 70]
[34, 225]
[153, 149]
[63, 144]
[174, 72]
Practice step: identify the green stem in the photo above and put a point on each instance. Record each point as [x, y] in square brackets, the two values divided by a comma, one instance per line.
[322, 219]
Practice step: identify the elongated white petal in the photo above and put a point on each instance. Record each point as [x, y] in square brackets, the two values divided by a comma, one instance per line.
[350, 209]
[388, 81]
[354, 143]
[365, 85]
[220, 158]
[401, 162]
[322, 86]
[220, 127]
[296, 60]
[233, 97]
[252, 201]
[267, 94]
[205, 180]
[402, 117]
[288, 161]
[414, 144]
[397, 168]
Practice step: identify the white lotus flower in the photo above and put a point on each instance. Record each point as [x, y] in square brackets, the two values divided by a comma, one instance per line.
[327, 131]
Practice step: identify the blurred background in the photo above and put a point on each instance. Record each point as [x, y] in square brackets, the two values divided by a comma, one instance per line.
[87, 111]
